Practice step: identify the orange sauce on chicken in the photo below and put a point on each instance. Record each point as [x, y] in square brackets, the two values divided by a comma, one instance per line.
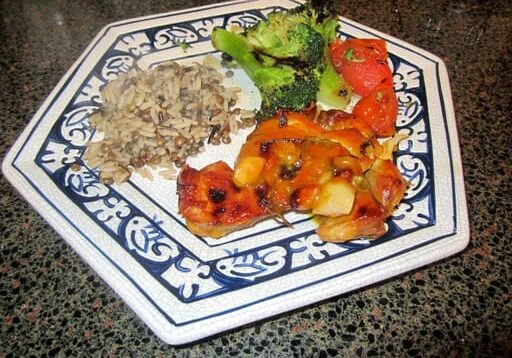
[331, 165]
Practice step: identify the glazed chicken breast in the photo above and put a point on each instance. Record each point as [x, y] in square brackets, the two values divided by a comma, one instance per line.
[329, 164]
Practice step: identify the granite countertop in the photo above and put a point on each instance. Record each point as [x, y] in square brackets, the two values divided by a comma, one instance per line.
[52, 304]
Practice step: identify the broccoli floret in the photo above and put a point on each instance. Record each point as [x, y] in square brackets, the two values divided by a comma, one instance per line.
[287, 57]
[281, 86]
[286, 36]
[296, 96]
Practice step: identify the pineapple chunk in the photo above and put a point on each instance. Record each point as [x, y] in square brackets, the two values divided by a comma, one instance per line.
[248, 170]
[336, 198]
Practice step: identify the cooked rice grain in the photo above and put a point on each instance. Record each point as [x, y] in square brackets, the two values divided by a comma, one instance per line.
[157, 118]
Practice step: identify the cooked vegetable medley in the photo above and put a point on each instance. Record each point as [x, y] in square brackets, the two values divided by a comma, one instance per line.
[287, 57]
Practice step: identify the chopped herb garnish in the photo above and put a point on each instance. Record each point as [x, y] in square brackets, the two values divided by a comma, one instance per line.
[349, 55]
[184, 46]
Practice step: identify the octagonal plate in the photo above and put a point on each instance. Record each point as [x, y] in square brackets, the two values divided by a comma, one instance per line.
[185, 287]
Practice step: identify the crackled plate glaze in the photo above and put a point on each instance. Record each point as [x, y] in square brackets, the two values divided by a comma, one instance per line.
[185, 287]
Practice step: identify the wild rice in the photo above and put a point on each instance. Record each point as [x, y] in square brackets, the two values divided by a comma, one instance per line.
[157, 118]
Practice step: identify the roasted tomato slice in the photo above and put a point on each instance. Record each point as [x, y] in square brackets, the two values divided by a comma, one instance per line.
[379, 110]
[362, 63]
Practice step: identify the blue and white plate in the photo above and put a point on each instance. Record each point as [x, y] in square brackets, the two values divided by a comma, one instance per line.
[185, 287]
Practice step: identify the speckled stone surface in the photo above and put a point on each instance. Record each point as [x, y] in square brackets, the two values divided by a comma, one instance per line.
[52, 304]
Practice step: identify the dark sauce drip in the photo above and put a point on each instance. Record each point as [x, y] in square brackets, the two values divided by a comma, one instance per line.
[294, 199]
[290, 171]
[261, 192]
[363, 148]
[217, 195]
[219, 211]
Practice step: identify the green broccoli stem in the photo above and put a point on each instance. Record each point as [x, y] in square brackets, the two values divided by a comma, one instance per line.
[333, 90]
[237, 47]
[242, 52]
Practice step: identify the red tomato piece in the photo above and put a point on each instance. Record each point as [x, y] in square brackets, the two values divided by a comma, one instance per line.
[362, 63]
[379, 110]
